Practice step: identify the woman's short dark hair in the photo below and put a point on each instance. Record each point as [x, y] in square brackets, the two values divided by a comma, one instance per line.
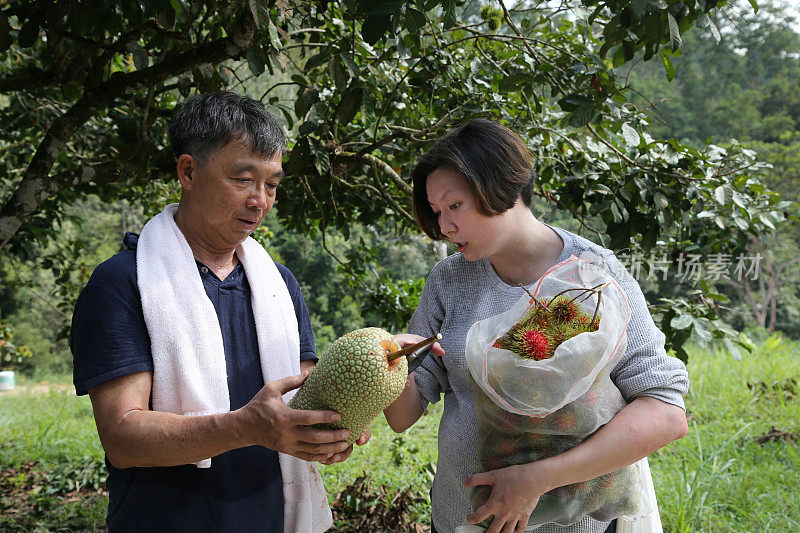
[207, 122]
[493, 159]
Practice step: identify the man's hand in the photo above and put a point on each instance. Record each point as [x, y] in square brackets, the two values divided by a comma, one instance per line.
[339, 457]
[508, 494]
[267, 420]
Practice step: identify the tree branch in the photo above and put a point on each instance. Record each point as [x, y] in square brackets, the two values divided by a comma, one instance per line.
[37, 183]
[387, 169]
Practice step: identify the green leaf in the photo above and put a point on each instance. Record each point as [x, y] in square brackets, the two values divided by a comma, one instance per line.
[668, 66]
[72, 90]
[307, 127]
[375, 27]
[701, 331]
[674, 33]
[385, 8]
[317, 60]
[274, 39]
[254, 11]
[140, 59]
[754, 3]
[28, 34]
[339, 74]
[415, 20]
[681, 322]
[5, 34]
[571, 102]
[732, 348]
[639, 8]
[719, 194]
[766, 221]
[630, 135]
[512, 83]
[619, 57]
[255, 61]
[350, 104]
[449, 19]
[583, 115]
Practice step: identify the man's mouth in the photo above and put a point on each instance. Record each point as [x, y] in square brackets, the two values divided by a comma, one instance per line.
[249, 224]
[460, 245]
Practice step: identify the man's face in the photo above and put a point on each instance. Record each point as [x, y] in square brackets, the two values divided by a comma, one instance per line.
[230, 194]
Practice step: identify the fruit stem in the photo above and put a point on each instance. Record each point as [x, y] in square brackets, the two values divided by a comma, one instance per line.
[408, 350]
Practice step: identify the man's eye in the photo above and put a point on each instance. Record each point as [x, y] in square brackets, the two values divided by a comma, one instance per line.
[242, 180]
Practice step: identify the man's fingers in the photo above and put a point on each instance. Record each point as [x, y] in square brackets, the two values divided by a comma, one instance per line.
[288, 383]
[309, 418]
[320, 436]
[363, 439]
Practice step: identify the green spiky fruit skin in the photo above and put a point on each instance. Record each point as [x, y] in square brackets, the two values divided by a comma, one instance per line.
[354, 379]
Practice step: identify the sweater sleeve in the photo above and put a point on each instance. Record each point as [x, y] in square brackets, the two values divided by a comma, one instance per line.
[645, 369]
[431, 374]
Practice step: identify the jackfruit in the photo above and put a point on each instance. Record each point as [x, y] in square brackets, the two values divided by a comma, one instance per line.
[358, 376]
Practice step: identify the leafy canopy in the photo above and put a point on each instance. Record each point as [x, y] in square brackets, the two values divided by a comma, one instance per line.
[365, 86]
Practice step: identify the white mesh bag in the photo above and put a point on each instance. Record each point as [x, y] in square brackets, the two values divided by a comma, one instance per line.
[529, 410]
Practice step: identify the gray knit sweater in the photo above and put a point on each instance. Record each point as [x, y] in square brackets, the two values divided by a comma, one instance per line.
[459, 293]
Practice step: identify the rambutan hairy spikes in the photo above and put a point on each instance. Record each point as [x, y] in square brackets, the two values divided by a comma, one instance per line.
[565, 309]
[535, 345]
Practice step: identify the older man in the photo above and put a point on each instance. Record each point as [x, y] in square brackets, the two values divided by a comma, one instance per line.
[188, 342]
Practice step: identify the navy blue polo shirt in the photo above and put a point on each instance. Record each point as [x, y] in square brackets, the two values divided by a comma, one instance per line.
[242, 491]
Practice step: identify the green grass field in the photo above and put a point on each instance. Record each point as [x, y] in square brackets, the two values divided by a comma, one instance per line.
[733, 472]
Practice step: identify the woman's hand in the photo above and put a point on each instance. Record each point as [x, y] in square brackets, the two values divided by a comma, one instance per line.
[407, 339]
[512, 492]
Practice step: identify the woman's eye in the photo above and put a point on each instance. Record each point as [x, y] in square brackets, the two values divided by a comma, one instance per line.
[455, 206]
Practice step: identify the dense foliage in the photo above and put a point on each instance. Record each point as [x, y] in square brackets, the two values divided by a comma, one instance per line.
[364, 86]
[742, 83]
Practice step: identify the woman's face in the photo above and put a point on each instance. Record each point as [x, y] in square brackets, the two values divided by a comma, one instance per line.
[476, 235]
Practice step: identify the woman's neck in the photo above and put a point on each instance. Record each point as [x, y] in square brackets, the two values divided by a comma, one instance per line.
[529, 252]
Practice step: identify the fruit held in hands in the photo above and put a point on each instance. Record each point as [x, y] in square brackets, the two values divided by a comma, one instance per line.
[355, 378]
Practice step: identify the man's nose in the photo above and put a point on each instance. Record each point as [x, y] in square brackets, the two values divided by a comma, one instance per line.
[258, 198]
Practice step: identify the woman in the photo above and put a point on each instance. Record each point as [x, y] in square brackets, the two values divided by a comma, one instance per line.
[474, 189]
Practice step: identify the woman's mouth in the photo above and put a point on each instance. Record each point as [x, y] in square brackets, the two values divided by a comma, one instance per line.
[460, 246]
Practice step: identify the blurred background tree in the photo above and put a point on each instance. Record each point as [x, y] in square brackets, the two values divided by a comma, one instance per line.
[363, 88]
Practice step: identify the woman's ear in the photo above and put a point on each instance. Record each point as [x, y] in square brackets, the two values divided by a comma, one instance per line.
[186, 167]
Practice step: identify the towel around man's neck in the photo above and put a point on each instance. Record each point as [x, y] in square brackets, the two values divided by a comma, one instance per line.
[189, 372]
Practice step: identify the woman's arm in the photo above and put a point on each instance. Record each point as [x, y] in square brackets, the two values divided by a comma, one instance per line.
[407, 408]
[639, 429]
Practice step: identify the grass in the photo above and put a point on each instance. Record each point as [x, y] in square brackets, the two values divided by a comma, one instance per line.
[719, 478]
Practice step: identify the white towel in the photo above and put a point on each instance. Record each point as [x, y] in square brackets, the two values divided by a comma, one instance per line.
[189, 373]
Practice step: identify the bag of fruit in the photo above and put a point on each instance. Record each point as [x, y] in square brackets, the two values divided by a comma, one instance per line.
[541, 377]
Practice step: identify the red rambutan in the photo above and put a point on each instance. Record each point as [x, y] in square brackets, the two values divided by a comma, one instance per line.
[535, 345]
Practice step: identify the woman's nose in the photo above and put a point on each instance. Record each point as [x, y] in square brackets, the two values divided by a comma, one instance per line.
[446, 224]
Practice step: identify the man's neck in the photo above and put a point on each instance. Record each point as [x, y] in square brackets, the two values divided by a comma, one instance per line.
[221, 262]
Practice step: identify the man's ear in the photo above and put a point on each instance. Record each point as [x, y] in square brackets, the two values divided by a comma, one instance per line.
[186, 168]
